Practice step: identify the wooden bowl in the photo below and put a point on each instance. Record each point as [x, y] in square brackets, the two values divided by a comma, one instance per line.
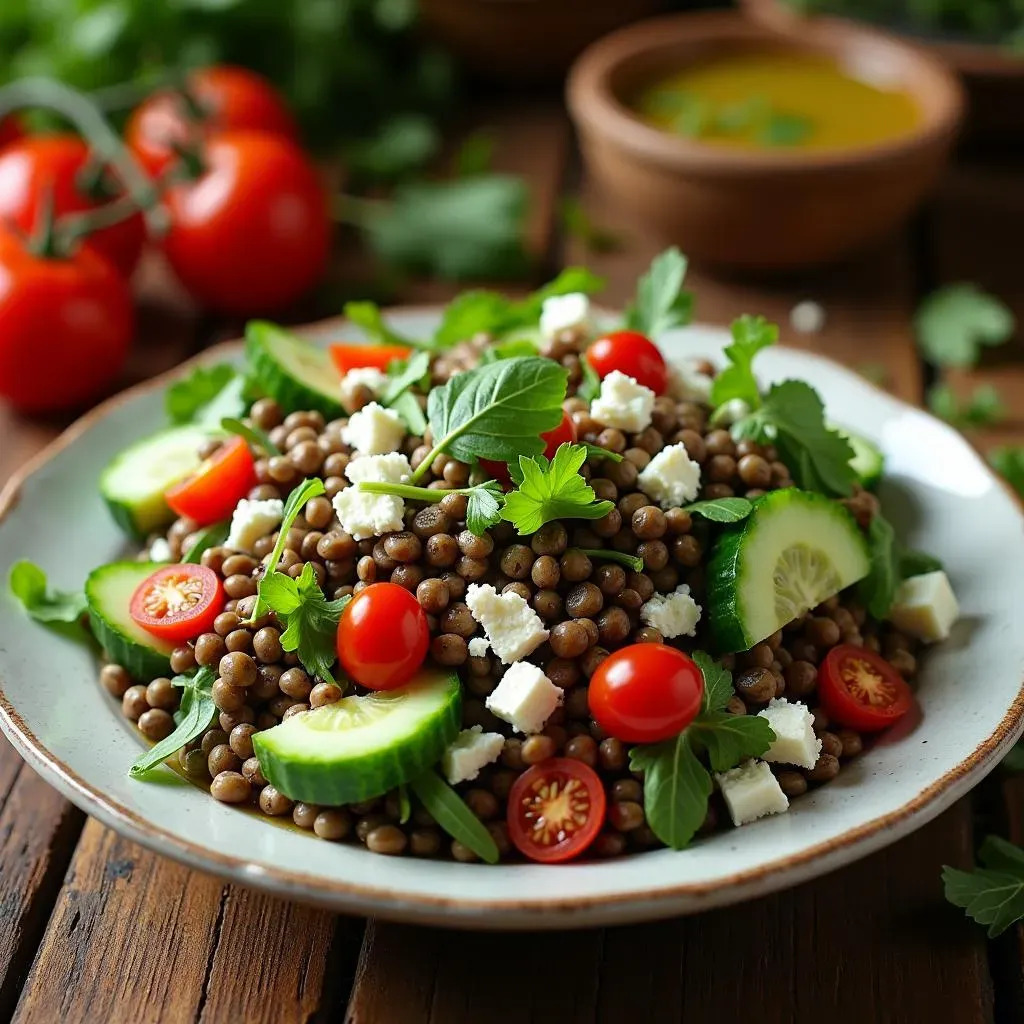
[992, 77]
[757, 210]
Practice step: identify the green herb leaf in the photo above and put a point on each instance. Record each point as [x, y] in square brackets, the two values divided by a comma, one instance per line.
[718, 689]
[634, 562]
[60, 610]
[595, 451]
[484, 508]
[409, 409]
[750, 334]
[196, 713]
[992, 895]
[210, 537]
[590, 386]
[475, 155]
[552, 490]
[1009, 461]
[369, 317]
[257, 438]
[511, 349]
[983, 407]
[402, 145]
[676, 789]
[185, 398]
[416, 368]
[661, 303]
[954, 323]
[722, 510]
[878, 588]
[917, 563]
[785, 130]
[449, 810]
[730, 739]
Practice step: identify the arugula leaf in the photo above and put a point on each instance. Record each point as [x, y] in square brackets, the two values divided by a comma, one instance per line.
[722, 510]
[634, 562]
[718, 689]
[983, 407]
[552, 490]
[954, 323]
[496, 411]
[661, 303]
[730, 739]
[484, 508]
[29, 585]
[994, 893]
[1009, 461]
[595, 451]
[417, 366]
[590, 386]
[210, 537]
[878, 588]
[676, 789]
[257, 438]
[750, 334]
[454, 816]
[194, 716]
[917, 563]
[369, 317]
[184, 398]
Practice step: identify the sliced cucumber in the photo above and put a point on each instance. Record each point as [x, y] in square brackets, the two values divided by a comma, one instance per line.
[868, 462]
[361, 747]
[109, 590]
[134, 483]
[297, 375]
[795, 550]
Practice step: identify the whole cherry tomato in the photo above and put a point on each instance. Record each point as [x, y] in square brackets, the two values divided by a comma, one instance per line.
[633, 354]
[646, 693]
[213, 491]
[383, 636]
[178, 602]
[861, 690]
[230, 99]
[564, 433]
[251, 233]
[66, 325]
[36, 164]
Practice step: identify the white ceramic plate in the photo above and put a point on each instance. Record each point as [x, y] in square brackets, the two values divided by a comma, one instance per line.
[943, 499]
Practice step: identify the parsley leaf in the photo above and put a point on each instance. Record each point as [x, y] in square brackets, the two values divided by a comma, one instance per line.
[369, 317]
[994, 893]
[484, 508]
[451, 812]
[661, 303]
[721, 510]
[676, 789]
[878, 588]
[955, 322]
[730, 739]
[552, 490]
[28, 584]
[184, 398]
[750, 334]
[257, 438]
[1009, 461]
[983, 408]
[718, 687]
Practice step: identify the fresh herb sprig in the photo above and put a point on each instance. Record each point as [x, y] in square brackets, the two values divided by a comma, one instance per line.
[398, 396]
[891, 564]
[661, 302]
[750, 334]
[257, 438]
[451, 812]
[186, 397]
[483, 509]
[210, 537]
[956, 322]
[61, 610]
[982, 408]
[993, 894]
[721, 510]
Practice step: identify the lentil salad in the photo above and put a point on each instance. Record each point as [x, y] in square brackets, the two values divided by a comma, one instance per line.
[361, 622]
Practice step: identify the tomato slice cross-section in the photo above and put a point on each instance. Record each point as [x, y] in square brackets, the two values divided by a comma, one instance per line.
[178, 602]
[861, 690]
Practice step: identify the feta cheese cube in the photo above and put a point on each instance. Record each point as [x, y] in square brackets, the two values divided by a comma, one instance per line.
[370, 515]
[623, 403]
[671, 478]
[795, 742]
[525, 698]
[925, 607]
[685, 384]
[160, 551]
[478, 647]
[672, 615]
[751, 792]
[513, 628]
[251, 521]
[470, 751]
[561, 312]
[374, 430]
[362, 376]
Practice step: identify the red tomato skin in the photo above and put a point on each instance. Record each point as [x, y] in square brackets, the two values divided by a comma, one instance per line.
[11, 129]
[564, 433]
[236, 98]
[66, 326]
[646, 693]
[212, 493]
[197, 621]
[383, 636]
[30, 166]
[846, 709]
[252, 233]
[566, 850]
[351, 357]
[633, 354]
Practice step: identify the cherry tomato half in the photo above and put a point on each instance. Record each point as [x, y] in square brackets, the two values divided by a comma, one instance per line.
[564, 433]
[861, 690]
[645, 693]
[178, 602]
[231, 98]
[251, 234]
[633, 354]
[213, 491]
[351, 357]
[383, 636]
[555, 810]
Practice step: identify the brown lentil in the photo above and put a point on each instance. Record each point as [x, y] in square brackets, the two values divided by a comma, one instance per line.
[230, 788]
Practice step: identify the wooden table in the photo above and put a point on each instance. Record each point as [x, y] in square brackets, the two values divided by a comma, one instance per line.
[96, 929]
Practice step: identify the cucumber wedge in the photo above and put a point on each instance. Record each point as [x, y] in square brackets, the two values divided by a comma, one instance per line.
[297, 375]
[868, 462]
[361, 747]
[134, 483]
[795, 550]
[109, 591]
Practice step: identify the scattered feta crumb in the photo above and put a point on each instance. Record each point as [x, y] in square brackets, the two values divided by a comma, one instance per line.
[362, 376]
[685, 384]
[370, 515]
[671, 478]
[470, 751]
[793, 725]
[730, 412]
[374, 430]
[160, 551]
[561, 312]
[623, 403]
[807, 317]
[513, 628]
[525, 698]
[252, 520]
[478, 647]
[925, 607]
[672, 615]
[751, 792]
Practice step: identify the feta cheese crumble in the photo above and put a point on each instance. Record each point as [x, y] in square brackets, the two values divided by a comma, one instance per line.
[370, 515]
[623, 403]
[525, 698]
[470, 751]
[793, 725]
[561, 312]
[368, 377]
[478, 647]
[252, 520]
[807, 317]
[160, 551]
[374, 430]
[513, 628]
[685, 384]
[751, 792]
[672, 615]
[925, 607]
[671, 478]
